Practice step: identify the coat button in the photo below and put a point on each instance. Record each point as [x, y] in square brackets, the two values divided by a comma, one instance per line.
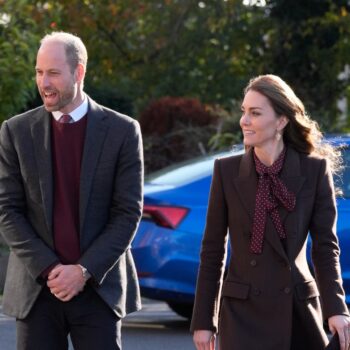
[285, 264]
[287, 290]
[256, 291]
[253, 262]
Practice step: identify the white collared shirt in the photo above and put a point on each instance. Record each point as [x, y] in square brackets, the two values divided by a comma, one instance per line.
[77, 113]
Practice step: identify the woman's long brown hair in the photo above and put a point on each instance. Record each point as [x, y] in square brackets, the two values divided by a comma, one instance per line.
[302, 133]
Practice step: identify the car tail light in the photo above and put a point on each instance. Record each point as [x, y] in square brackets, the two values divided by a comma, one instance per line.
[165, 216]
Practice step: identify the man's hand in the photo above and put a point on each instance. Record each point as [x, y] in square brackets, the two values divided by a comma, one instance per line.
[66, 281]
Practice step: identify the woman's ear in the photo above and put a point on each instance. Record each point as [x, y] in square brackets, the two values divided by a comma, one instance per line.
[282, 122]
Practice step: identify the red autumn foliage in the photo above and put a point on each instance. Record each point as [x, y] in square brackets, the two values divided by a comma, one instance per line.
[175, 129]
[162, 116]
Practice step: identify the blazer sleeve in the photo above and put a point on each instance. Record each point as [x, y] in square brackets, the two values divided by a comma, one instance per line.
[125, 210]
[325, 247]
[213, 257]
[15, 228]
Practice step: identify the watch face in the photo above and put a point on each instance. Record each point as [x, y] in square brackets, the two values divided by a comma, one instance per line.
[85, 272]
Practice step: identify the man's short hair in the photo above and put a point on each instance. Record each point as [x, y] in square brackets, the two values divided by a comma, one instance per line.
[75, 49]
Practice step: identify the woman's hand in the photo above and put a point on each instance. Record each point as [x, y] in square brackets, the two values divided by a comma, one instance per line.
[204, 340]
[341, 325]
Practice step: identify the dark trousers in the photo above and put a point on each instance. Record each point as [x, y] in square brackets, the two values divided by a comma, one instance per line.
[89, 321]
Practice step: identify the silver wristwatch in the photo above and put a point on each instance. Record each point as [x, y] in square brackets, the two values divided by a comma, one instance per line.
[85, 272]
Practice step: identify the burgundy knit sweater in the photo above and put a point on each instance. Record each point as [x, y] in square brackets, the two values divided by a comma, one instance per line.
[67, 151]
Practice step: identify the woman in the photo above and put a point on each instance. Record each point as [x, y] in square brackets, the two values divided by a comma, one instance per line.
[267, 201]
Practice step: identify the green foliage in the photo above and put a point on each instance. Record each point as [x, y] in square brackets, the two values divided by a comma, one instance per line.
[17, 57]
[141, 50]
[308, 45]
[228, 132]
[148, 49]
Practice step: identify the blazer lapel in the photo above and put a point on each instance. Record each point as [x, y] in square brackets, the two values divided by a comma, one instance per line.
[246, 183]
[291, 177]
[41, 136]
[95, 135]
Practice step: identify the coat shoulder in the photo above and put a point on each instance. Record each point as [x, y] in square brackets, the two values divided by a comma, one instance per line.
[231, 159]
[114, 117]
[311, 163]
[115, 120]
[122, 123]
[117, 116]
[230, 164]
[26, 117]
[311, 158]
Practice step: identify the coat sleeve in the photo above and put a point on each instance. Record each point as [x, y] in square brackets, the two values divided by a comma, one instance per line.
[125, 210]
[15, 228]
[213, 257]
[325, 247]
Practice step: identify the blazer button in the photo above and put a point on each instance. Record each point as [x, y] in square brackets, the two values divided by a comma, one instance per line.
[256, 291]
[287, 290]
[253, 262]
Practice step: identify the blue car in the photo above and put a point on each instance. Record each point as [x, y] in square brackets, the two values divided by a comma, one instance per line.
[167, 245]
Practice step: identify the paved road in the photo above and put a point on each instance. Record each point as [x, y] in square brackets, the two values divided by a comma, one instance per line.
[155, 327]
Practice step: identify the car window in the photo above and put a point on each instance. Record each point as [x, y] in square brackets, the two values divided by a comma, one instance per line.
[343, 180]
[188, 171]
[183, 174]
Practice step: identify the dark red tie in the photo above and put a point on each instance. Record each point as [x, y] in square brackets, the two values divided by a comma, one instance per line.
[65, 118]
[271, 193]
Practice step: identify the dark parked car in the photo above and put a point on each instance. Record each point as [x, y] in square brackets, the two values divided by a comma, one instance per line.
[167, 244]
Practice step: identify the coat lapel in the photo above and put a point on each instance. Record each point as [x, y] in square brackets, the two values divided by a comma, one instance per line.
[41, 136]
[246, 183]
[96, 130]
[291, 177]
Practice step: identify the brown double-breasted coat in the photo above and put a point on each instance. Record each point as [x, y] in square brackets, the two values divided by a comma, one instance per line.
[260, 292]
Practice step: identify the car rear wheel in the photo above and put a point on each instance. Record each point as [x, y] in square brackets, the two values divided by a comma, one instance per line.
[184, 310]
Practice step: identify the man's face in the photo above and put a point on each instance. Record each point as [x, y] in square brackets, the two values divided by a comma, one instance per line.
[57, 85]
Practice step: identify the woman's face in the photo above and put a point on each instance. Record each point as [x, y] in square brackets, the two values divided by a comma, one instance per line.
[259, 121]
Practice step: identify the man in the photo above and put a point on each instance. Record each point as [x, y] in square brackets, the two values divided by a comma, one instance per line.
[71, 176]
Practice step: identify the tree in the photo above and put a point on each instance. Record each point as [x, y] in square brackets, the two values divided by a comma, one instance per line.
[17, 57]
[180, 127]
[141, 50]
[308, 45]
[144, 50]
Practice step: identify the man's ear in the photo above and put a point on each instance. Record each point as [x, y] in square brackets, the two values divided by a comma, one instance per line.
[80, 73]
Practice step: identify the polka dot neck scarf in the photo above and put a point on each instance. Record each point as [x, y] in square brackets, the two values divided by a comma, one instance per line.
[271, 193]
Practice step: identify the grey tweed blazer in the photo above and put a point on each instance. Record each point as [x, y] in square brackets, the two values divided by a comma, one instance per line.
[110, 205]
